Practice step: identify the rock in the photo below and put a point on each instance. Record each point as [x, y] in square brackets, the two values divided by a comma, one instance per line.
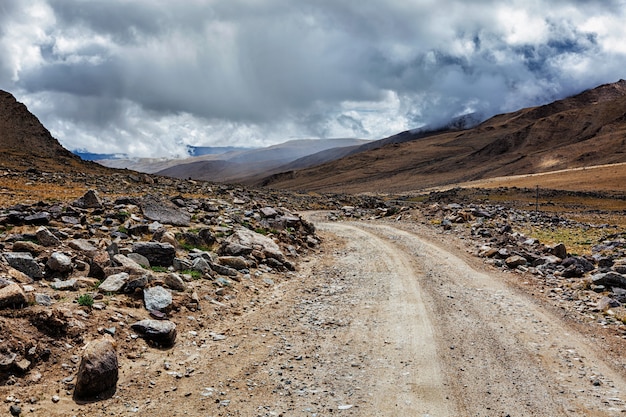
[27, 246]
[129, 265]
[515, 261]
[559, 250]
[201, 265]
[158, 254]
[98, 371]
[609, 279]
[160, 332]
[15, 410]
[59, 262]
[224, 270]
[43, 299]
[157, 298]
[7, 361]
[620, 266]
[236, 262]
[164, 211]
[175, 282]
[24, 262]
[137, 282]
[68, 285]
[114, 283]
[84, 246]
[38, 219]
[90, 199]
[139, 259]
[268, 212]
[244, 241]
[573, 271]
[46, 238]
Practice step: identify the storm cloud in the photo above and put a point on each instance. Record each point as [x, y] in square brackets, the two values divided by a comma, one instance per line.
[148, 77]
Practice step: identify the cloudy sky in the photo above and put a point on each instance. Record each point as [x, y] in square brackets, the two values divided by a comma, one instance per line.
[147, 77]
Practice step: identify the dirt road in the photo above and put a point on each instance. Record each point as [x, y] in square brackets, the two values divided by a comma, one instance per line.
[380, 323]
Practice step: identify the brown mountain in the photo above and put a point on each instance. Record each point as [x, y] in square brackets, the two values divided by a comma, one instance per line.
[584, 130]
[25, 143]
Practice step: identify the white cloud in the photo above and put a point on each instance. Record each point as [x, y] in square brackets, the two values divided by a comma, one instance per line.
[148, 77]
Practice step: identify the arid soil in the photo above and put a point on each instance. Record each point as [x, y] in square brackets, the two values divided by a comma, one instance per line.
[386, 319]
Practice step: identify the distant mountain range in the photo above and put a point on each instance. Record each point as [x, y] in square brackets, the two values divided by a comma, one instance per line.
[240, 164]
[584, 130]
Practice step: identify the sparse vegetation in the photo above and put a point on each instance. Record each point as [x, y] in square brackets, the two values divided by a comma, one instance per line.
[193, 273]
[85, 300]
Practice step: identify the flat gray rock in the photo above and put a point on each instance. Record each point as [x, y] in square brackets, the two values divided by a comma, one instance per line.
[157, 298]
[114, 283]
[164, 211]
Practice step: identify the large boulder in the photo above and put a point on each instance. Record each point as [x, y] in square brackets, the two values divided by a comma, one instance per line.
[164, 211]
[98, 371]
[244, 241]
[157, 298]
[24, 262]
[609, 279]
[11, 295]
[158, 254]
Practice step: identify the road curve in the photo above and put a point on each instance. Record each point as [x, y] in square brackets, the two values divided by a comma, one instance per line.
[471, 345]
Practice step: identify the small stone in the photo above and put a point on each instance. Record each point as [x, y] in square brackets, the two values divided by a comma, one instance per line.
[55, 399]
[158, 254]
[559, 250]
[515, 261]
[161, 332]
[90, 199]
[175, 282]
[43, 299]
[15, 410]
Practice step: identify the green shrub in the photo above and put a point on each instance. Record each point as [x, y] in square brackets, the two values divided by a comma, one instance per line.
[85, 300]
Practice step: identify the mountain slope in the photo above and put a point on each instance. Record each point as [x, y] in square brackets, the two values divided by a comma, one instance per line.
[241, 166]
[586, 129]
[25, 143]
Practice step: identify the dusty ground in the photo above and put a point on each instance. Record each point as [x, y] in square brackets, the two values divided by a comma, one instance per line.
[387, 320]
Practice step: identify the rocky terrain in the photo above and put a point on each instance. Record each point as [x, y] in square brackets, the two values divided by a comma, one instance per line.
[588, 281]
[127, 269]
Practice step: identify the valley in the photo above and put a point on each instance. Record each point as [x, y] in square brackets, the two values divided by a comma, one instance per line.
[418, 277]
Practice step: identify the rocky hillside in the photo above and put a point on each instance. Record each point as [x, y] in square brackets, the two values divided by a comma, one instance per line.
[25, 143]
[584, 130]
